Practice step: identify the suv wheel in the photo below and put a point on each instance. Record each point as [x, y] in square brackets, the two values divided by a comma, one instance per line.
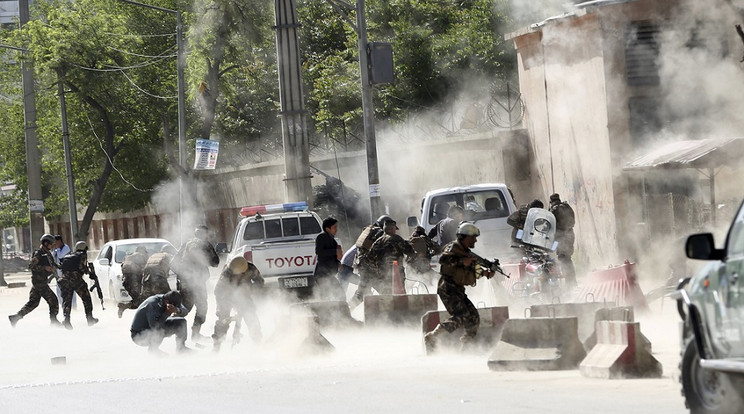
[705, 391]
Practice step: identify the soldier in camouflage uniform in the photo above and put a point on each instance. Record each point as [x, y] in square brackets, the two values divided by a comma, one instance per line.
[234, 290]
[193, 262]
[425, 248]
[564, 235]
[155, 280]
[459, 268]
[385, 250]
[42, 267]
[131, 272]
[72, 282]
[365, 240]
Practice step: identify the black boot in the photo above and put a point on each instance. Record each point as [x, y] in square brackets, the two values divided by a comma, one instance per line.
[67, 323]
[14, 319]
[91, 320]
[54, 321]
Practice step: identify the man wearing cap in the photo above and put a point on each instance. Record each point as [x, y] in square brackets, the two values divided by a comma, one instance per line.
[194, 260]
[388, 248]
[564, 235]
[155, 319]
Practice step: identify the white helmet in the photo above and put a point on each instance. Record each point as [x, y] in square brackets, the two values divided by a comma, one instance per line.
[81, 245]
[467, 229]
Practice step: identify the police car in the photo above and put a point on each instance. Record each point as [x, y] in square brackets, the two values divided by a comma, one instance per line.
[280, 240]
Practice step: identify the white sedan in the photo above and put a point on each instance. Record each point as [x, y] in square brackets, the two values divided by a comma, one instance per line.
[108, 264]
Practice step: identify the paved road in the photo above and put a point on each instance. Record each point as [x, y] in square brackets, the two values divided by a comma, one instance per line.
[370, 371]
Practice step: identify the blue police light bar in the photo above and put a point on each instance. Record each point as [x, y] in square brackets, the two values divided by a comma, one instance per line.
[273, 208]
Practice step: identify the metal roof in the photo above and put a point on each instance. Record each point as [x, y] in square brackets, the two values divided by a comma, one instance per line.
[704, 153]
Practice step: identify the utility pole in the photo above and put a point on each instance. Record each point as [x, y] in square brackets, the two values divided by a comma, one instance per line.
[294, 125]
[33, 162]
[368, 113]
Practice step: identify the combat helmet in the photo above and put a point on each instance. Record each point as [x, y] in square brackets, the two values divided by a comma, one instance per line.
[47, 238]
[81, 245]
[238, 264]
[467, 229]
[382, 219]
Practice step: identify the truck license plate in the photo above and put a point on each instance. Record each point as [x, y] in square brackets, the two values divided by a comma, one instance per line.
[295, 282]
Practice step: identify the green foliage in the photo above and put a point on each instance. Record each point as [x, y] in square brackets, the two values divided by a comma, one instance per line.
[437, 45]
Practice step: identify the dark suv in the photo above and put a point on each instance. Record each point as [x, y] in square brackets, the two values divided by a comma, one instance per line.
[711, 304]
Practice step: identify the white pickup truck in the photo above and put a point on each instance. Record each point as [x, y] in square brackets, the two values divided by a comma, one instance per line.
[485, 205]
[280, 240]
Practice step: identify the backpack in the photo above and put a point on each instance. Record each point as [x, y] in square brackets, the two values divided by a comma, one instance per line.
[367, 237]
[70, 263]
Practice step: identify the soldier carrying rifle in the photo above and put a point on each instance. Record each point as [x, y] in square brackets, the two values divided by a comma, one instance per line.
[42, 269]
[460, 267]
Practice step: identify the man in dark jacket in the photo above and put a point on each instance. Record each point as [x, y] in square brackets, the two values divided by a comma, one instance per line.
[154, 320]
[329, 256]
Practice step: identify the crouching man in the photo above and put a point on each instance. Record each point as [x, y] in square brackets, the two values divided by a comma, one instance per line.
[156, 318]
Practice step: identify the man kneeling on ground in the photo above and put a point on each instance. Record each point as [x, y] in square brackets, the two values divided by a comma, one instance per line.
[154, 320]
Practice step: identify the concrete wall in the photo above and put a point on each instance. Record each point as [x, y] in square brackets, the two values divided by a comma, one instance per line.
[407, 171]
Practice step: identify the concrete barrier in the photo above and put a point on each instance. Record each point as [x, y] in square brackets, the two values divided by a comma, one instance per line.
[299, 333]
[330, 313]
[618, 353]
[397, 309]
[617, 314]
[538, 344]
[585, 312]
[492, 322]
[618, 284]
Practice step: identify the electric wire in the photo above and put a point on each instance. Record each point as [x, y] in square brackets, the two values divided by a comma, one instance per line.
[108, 157]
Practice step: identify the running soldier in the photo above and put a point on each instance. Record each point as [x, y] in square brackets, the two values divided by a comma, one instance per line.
[385, 250]
[74, 266]
[157, 269]
[192, 267]
[234, 290]
[42, 268]
[459, 268]
[564, 235]
[365, 240]
[132, 269]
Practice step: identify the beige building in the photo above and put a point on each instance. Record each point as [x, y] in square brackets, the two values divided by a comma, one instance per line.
[611, 81]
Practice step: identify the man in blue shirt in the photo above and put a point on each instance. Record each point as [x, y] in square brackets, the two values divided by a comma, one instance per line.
[154, 321]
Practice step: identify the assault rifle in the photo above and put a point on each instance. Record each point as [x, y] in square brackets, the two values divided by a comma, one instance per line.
[492, 266]
[96, 284]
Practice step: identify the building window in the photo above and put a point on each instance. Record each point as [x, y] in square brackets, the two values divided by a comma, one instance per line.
[641, 54]
[645, 121]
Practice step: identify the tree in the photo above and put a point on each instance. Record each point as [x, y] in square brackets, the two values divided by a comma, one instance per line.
[111, 77]
[437, 46]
